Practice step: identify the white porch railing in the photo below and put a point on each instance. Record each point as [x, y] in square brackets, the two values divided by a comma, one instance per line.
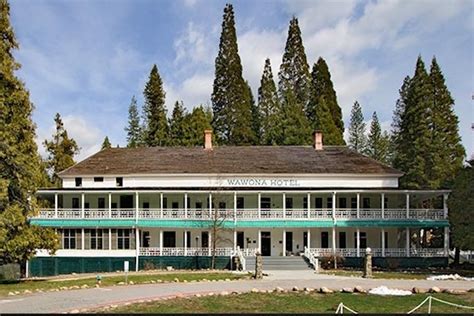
[377, 252]
[181, 251]
[313, 260]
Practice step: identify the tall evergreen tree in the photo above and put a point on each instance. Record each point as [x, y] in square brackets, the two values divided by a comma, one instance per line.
[177, 125]
[255, 116]
[294, 69]
[357, 138]
[446, 151]
[106, 143]
[414, 137]
[21, 169]
[269, 109]
[377, 142]
[61, 150]
[195, 124]
[157, 129]
[231, 103]
[133, 129]
[295, 125]
[322, 99]
[322, 89]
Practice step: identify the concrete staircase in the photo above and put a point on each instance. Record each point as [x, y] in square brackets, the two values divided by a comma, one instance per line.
[278, 263]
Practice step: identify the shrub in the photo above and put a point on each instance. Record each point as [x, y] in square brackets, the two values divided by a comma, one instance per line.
[327, 262]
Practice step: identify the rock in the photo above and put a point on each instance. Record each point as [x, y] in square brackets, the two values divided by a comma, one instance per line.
[159, 281]
[224, 293]
[11, 294]
[269, 291]
[254, 290]
[131, 283]
[279, 289]
[263, 291]
[235, 292]
[74, 311]
[347, 290]
[176, 280]
[169, 268]
[359, 289]
[210, 294]
[471, 290]
[308, 289]
[84, 286]
[121, 283]
[17, 292]
[454, 291]
[435, 289]
[325, 290]
[185, 281]
[198, 295]
[113, 306]
[227, 280]
[295, 289]
[153, 282]
[26, 292]
[97, 285]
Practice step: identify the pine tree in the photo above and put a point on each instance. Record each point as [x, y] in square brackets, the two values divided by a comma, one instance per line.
[357, 138]
[446, 152]
[322, 100]
[21, 169]
[157, 130]
[106, 143]
[231, 103]
[414, 137]
[61, 150]
[294, 70]
[133, 129]
[296, 129]
[177, 125]
[322, 89]
[196, 123]
[377, 142]
[255, 116]
[269, 109]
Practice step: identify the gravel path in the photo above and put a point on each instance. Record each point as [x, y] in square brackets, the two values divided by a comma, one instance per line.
[75, 300]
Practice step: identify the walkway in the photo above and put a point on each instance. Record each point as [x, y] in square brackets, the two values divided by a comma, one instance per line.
[63, 301]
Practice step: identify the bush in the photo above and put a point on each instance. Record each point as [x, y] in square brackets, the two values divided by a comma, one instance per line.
[10, 272]
[327, 262]
[148, 265]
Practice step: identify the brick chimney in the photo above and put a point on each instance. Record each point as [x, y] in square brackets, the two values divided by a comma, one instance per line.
[318, 140]
[208, 139]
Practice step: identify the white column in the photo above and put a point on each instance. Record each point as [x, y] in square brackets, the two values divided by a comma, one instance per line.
[334, 240]
[446, 241]
[408, 205]
[110, 205]
[27, 269]
[55, 205]
[235, 240]
[445, 205]
[358, 241]
[110, 238]
[235, 206]
[284, 205]
[137, 246]
[137, 206]
[284, 243]
[309, 239]
[83, 202]
[308, 197]
[382, 205]
[82, 239]
[161, 205]
[185, 242]
[185, 205]
[259, 241]
[161, 242]
[407, 236]
[358, 206]
[259, 198]
[383, 242]
[334, 205]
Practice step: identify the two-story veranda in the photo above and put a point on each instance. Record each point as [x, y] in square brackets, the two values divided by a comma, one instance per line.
[183, 203]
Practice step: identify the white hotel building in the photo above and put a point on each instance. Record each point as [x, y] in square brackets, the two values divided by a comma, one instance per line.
[161, 206]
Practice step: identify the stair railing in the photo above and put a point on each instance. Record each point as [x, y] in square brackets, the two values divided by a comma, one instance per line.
[241, 257]
[313, 260]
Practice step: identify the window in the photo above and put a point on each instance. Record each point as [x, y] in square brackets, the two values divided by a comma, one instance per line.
[266, 203]
[119, 181]
[70, 240]
[353, 203]
[101, 203]
[305, 202]
[329, 202]
[204, 239]
[289, 203]
[75, 203]
[199, 205]
[145, 239]
[240, 202]
[98, 179]
[342, 239]
[175, 206]
[146, 205]
[222, 205]
[169, 239]
[342, 202]
[78, 182]
[188, 202]
[165, 202]
[366, 202]
[324, 240]
[363, 240]
[123, 238]
[318, 203]
[96, 238]
[114, 205]
[385, 203]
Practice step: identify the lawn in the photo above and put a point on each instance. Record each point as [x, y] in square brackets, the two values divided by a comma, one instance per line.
[296, 303]
[409, 275]
[46, 285]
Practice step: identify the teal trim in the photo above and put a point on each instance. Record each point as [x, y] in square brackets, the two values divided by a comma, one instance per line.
[238, 224]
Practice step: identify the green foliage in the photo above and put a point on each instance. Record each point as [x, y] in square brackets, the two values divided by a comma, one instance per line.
[255, 115]
[295, 125]
[322, 90]
[156, 125]
[61, 150]
[106, 143]
[177, 125]
[269, 108]
[377, 142]
[357, 138]
[231, 101]
[294, 69]
[133, 129]
[21, 169]
[461, 208]
[195, 123]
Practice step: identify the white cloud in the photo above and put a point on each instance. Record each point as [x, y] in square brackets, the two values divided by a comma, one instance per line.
[86, 134]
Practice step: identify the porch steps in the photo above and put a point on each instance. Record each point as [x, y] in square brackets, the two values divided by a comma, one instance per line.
[278, 263]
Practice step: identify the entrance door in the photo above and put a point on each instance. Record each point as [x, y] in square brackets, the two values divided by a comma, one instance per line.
[289, 241]
[169, 239]
[266, 243]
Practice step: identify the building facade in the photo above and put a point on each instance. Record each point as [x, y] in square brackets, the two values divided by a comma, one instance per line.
[172, 206]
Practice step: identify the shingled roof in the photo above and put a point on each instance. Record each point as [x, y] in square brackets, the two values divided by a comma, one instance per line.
[228, 160]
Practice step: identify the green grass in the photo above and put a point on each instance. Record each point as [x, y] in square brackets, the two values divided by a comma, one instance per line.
[409, 274]
[45, 285]
[297, 303]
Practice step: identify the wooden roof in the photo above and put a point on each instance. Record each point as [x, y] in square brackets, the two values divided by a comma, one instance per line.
[229, 160]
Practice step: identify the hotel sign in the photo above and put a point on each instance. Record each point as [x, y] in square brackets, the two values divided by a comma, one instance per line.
[259, 182]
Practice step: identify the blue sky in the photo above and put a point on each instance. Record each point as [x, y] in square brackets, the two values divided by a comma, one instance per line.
[86, 59]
